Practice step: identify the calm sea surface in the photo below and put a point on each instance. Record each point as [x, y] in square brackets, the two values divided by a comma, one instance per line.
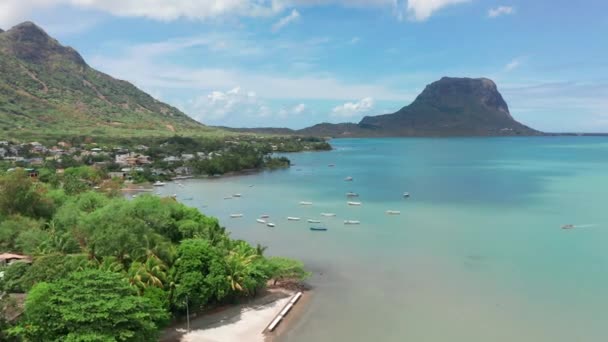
[477, 254]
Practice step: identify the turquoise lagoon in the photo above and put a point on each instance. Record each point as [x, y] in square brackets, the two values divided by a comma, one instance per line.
[477, 254]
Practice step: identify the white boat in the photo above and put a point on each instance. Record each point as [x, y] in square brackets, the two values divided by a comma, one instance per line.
[352, 194]
[291, 218]
[328, 214]
[313, 221]
[236, 215]
[353, 203]
[261, 221]
[393, 212]
[305, 203]
[348, 179]
[236, 195]
[351, 222]
[158, 183]
[406, 194]
[264, 216]
[270, 224]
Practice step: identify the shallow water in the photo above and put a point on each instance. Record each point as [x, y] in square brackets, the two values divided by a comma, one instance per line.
[477, 254]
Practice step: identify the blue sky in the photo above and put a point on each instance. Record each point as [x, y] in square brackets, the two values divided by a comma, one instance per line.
[294, 63]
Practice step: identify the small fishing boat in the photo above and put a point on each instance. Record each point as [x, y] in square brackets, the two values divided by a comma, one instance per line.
[313, 221]
[328, 214]
[352, 194]
[236, 215]
[568, 226]
[158, 183]
[305, 203]
[264, 216]
[270, 224]
[236, 195]
[318, 229]
[393, 212]
[228, 197]
[291, 218]
[331, 165]
[353, 203]
[406, 195]
[251, 185]
[261, 221]
[348, 179]
[351, 222]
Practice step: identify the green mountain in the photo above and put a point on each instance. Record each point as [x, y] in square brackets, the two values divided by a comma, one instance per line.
[48, 88]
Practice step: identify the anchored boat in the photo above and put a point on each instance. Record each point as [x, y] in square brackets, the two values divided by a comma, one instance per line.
[271, 225]
[353, 203]
[291, 218]
[351, 222]
[328, 214]
[318, 229]
[393, 212]
[236, 215]
[305, 203]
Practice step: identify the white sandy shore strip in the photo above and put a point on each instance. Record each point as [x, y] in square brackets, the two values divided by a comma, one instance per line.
[245, 323]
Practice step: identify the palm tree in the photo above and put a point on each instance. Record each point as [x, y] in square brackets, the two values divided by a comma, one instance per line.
[259, 249]
[151, 273]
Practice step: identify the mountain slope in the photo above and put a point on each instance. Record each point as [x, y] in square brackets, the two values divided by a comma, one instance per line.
[48, 88]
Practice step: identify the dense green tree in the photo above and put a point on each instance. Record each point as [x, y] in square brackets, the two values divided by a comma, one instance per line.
[11, 282]
[52, 267]
[90, 305]
[19, 194]
[199, 274]
[280, 269]
[12, 227]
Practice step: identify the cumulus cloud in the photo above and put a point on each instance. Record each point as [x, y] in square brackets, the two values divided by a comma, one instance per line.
[292, 17]
[218, 104]
[500, 10]
[236, 104]
[352, 109]
[421, 10]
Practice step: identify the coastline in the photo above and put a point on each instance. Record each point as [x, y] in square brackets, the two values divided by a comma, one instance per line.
[288, 322]
[245, 321]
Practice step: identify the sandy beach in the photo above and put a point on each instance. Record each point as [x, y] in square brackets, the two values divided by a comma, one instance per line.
[241, 322]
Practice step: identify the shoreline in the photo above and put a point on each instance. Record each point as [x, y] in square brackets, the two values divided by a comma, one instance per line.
[295, 314]
[245, 321]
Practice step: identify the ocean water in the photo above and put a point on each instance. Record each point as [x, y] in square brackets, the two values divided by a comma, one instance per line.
[477, 254]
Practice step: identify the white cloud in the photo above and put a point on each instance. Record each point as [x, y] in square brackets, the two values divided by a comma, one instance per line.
[352, 109]
[292, 17]
[421, 10]
[514, 64]
[14, 11]
[355, 40]
[298, 109]
[500, 10]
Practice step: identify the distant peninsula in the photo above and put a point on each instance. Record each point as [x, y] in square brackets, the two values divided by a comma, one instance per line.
[446, 108]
